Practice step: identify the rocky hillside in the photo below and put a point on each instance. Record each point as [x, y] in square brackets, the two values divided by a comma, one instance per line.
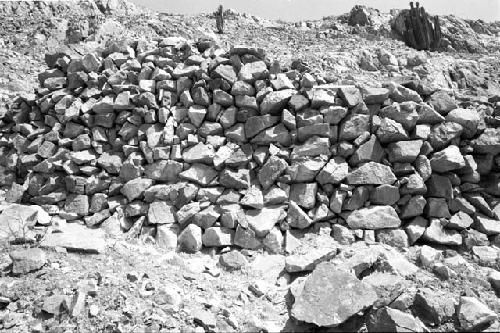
[158, 177]
[343, 46]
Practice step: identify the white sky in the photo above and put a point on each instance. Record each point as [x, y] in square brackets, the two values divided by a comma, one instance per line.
[294, 10]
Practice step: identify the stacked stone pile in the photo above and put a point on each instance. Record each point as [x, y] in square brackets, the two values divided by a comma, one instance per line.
[197, 146]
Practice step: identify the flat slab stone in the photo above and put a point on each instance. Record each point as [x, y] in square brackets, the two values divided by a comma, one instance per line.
[487, 225]
[308, 261]
[77, 237]
[332, 296]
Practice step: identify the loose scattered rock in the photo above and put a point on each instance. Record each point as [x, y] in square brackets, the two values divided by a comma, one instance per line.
[473, 314]
[28, 260]
[233, 260]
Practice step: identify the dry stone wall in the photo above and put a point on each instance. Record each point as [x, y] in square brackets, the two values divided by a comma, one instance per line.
[196, 146]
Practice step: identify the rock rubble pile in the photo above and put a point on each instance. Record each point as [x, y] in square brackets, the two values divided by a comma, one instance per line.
[196, 146]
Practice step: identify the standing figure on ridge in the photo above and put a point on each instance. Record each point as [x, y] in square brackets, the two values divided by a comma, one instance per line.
[219, 19]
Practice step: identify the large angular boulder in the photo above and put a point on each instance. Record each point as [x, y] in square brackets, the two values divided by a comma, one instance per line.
[304, 194]
[255, 125]
[277, 134]
[442, 102]
[374, 218]
[218, 237]
[384, 195]
[427, 115]
[487, 225]
[371, 173]
[199, 153]
[472, 314]
[488, 142]
[160, 212]
[439, 186]
[404, 151]
[442, 134]
[313, 147]
[235, 179]
[79, 204]
[246, 238]
[401, 94]
[226, 72]
[350, 95]
[199, 173]
[375, 95]
[276, 101]
[333, 114]
[233, 260]
[322, 98]
[468, 118]
[460, 221]
[252, 71]
[433, 307]
[27, 260]
[305, 169]
[404, 113]
[164, 170]
[134, 188]
[448, 159]
[387, 319]
[435, 233]
[187, 212]
[370, 151]
[306, 132]
[353, 125]
[331, 296]
[390, 131]
[263, 220]
[112, 163]
[253, 198]
[190, 239]
[271, 170]
[335, 171]
[166, 236]
[296, 217]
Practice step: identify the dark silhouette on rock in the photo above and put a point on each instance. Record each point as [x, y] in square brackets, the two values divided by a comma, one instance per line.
[421, 33]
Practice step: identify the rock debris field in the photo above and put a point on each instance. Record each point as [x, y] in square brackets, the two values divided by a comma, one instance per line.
[174, 184]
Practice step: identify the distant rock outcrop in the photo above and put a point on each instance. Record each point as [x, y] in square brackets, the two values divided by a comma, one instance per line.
[456, 34]
[453, 33]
